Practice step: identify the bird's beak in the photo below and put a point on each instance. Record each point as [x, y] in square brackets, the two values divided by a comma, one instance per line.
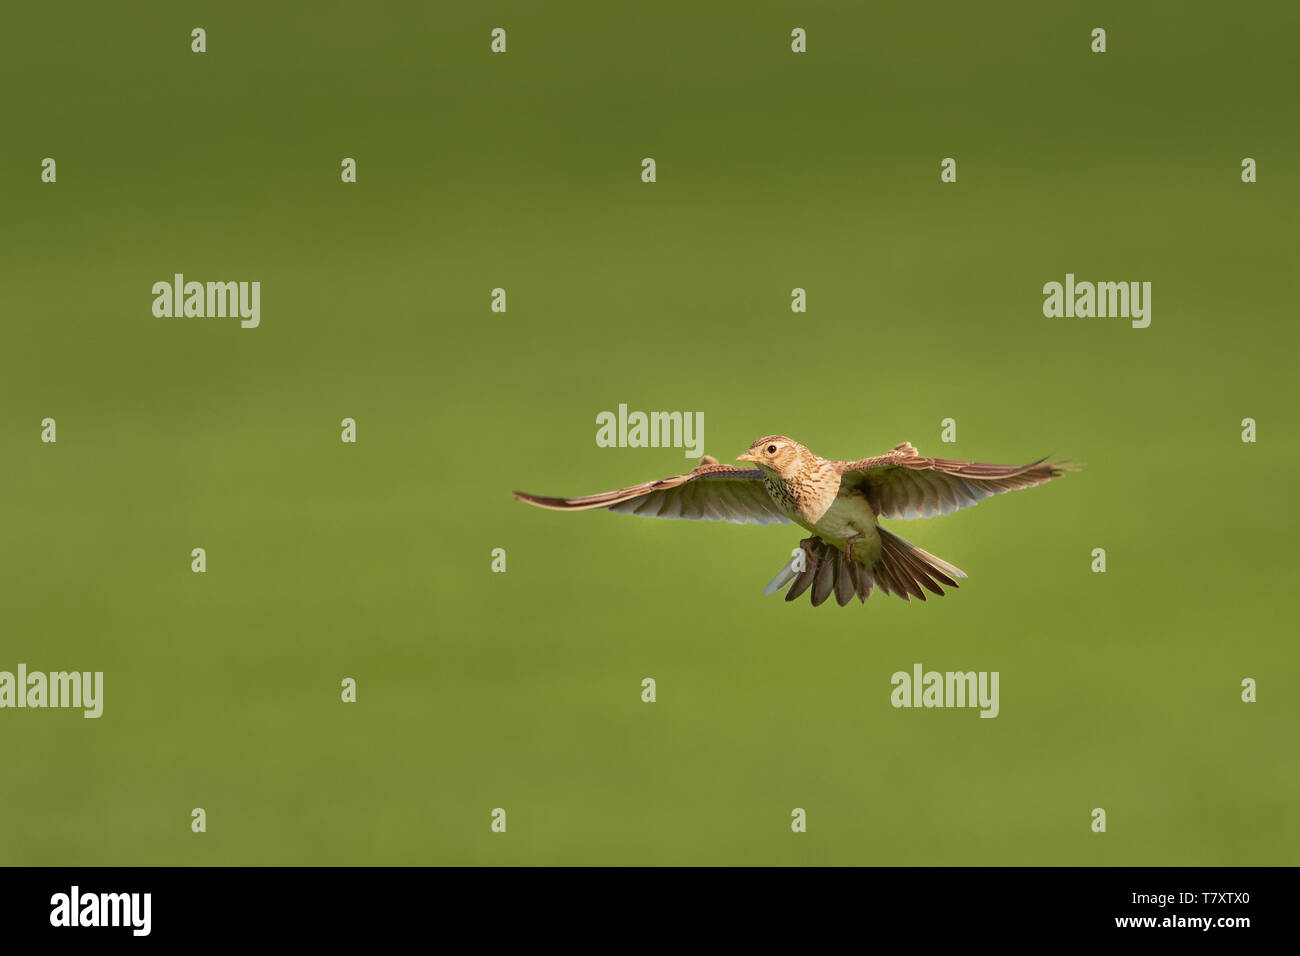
[746, 457]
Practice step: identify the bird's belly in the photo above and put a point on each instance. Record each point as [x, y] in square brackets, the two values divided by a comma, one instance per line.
[847, 516]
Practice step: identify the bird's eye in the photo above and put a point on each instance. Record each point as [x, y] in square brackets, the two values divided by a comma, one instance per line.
[771, 449]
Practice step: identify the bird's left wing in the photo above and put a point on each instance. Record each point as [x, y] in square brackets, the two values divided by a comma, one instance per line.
[711, 491]
[904, 484]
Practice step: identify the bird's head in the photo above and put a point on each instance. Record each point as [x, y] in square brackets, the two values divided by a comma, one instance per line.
[776, 454]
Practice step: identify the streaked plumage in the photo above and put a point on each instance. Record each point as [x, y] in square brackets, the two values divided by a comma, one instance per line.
[838, 501]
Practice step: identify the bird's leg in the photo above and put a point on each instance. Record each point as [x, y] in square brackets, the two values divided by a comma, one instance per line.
[848, 546]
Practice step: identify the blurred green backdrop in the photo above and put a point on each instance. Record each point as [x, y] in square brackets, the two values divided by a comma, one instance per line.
[522, 690]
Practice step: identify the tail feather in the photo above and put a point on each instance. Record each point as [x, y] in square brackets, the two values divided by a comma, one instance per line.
[901, 569]
[783, 577]
[912, 569]
[804, 579]
[846, 582]
[865, 582]
[920, 576]
[824, 582]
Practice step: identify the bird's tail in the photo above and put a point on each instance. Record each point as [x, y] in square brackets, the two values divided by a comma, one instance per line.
[902, 569]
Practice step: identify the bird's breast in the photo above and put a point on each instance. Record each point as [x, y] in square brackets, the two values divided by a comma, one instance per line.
[804, 498]
[783, 496]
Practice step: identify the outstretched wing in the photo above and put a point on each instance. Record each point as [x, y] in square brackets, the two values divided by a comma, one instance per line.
[711, 491]
[903, 484]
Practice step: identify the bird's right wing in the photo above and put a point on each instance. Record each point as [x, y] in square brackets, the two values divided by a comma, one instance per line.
[711, 492]
[904, 484]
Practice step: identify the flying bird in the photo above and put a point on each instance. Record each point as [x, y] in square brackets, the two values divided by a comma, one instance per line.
[840, 502]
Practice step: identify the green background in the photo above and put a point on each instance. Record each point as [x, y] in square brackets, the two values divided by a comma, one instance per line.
[522, 690]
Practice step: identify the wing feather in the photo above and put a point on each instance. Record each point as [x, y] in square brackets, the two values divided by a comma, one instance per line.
[711, 491]
[903, 484]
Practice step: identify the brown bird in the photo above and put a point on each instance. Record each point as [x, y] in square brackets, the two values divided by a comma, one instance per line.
[840, 502]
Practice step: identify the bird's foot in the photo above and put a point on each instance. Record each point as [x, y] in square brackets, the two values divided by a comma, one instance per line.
[848, 546]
